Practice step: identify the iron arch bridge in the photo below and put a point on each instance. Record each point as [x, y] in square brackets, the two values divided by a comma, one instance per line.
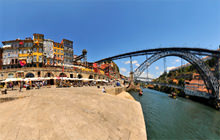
[192, 55]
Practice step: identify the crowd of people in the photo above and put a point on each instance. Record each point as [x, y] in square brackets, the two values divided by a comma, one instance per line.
[28, 85]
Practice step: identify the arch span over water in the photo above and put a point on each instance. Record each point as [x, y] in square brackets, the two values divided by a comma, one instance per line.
[208, 77]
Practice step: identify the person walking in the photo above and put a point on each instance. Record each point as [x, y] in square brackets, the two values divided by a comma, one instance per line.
[20, 86]
[103, 90]
[12, 85]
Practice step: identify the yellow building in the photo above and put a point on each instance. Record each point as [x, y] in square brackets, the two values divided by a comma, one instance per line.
[58, 52]
[37, 50]
[38, 38]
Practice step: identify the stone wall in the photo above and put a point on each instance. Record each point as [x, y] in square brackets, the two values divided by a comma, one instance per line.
[43, 72]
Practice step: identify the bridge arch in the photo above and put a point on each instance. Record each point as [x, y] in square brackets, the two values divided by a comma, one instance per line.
[208, 77]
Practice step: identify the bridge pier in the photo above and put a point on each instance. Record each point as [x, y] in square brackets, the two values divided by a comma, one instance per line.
[132, 86]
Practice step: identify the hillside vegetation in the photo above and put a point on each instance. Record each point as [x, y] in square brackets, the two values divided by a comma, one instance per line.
[178, 77]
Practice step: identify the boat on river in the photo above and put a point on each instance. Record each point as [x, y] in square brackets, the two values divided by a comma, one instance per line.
[140, 93]
[172, 95]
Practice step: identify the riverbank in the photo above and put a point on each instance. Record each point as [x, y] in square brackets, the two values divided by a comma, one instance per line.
[70, 113]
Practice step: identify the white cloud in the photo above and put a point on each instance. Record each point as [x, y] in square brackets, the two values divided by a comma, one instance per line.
[127, 62]
[137, 65]
[133, 62]
[123, 69]
[144, 74]
[169, 68]
[157, 68]
[177, 60]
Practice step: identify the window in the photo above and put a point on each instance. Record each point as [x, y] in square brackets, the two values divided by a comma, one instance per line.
[55, 50]
[12, 61]
[20, 52]
[40, 58]
[45, 61]
[40, 50]
[58, 51]
[29, 51]
[61, 51]
[11, 75]
[35, 49]
[38, 73]
[35, 58]
[8, 54]
[51, 61]
[25, 51]
[4, 62]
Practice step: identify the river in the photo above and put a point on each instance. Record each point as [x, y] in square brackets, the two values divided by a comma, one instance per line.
[180, 118]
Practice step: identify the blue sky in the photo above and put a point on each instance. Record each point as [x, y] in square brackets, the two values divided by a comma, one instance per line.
[109, 27]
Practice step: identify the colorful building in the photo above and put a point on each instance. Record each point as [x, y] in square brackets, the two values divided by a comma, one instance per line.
[196, 83]
[68, 51]
[10, 54]
[36, 52]
[58, 52]
[25, 55]
[48, 52]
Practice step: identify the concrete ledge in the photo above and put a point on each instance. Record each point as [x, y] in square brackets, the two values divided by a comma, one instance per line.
[115, 90]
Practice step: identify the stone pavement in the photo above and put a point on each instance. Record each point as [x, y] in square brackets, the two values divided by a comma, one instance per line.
[82, 113]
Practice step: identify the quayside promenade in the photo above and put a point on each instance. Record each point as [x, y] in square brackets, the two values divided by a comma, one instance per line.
[81, 113]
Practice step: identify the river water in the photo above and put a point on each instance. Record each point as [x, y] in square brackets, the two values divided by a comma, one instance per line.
[178, 119]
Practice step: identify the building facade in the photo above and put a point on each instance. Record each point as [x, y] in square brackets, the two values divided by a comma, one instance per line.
[10, 54]
[36, 52]
[58, 52]
[68, 51]
[48, 52]
[25, 55]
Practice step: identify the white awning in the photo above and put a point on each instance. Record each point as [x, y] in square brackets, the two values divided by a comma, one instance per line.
[86, 79]
[48, 78]
[6, 46]
[101, 80]
[34, 79]
[12, 80]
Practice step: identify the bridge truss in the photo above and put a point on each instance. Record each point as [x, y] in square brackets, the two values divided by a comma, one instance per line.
[192, 55]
